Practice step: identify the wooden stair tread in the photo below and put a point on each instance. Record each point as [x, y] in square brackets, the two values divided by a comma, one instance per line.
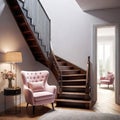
[74, 93]
[70, 70]
[76, 80]
[68, 75]
[74, 101]
[65, 66]
[82, 86]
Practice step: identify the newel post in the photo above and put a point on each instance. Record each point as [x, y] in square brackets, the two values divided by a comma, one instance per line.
[88, 76]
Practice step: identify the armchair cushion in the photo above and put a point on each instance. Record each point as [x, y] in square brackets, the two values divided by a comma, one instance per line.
[38, 96]
[36, 86]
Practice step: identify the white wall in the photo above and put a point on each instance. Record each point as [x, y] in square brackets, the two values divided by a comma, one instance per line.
[11, 39]
[72, 31]
[72, 28]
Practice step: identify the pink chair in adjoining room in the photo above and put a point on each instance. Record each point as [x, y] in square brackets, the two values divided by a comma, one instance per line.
[108, 80]
[36, 89]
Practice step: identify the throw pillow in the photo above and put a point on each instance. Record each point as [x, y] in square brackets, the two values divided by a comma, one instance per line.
[36, 86]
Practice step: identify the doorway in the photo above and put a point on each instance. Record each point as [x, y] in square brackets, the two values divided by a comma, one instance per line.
[106, 38]
[105, 50]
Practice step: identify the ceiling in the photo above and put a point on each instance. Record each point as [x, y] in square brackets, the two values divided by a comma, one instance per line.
[87, 5]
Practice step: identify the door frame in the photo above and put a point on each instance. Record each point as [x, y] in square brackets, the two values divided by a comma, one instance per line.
[117, 59]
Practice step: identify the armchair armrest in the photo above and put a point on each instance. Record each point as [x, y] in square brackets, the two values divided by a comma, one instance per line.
[28, 94]
[51, 88]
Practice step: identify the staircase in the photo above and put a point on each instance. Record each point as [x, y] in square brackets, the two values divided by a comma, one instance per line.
[72, 86]
[26, 27]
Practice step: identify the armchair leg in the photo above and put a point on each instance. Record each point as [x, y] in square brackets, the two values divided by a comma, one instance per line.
[27, 105]
[33, 110]
[53, 106]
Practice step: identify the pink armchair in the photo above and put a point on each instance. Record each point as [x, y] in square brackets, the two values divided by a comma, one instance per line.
[109, 79]
[36, 89]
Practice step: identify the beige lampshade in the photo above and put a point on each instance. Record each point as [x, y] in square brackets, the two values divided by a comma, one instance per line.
[13, 57]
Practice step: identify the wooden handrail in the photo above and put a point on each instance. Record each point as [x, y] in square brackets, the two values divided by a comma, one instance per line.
[55, 69]
[54, 65]
[88, 76]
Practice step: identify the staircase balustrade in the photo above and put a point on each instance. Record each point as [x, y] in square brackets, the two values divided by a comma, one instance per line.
[55, 69]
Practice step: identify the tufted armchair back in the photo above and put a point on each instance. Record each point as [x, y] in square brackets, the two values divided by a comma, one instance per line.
[34, 76]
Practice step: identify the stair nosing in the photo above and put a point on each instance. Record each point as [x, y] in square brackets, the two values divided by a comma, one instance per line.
[74, 80]
[74, 93]
[69, 86]
[73, 101]
[72, 75]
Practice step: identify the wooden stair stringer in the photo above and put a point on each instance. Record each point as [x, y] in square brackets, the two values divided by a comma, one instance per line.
[28, 31]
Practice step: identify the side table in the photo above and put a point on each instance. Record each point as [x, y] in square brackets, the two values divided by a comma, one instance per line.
[15, 93]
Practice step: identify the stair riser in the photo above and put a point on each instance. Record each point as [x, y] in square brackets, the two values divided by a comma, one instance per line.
[65, 67]
[75, 97]
[70, 72]
[71, 104]
[73, 89]
[62, 64]
[73, 77]
[74, 83]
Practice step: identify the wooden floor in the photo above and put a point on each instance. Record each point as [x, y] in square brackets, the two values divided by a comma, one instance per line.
[104, 104]
[106, 100]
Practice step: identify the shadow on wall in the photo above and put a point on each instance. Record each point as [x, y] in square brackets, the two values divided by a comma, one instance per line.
[109, 15]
